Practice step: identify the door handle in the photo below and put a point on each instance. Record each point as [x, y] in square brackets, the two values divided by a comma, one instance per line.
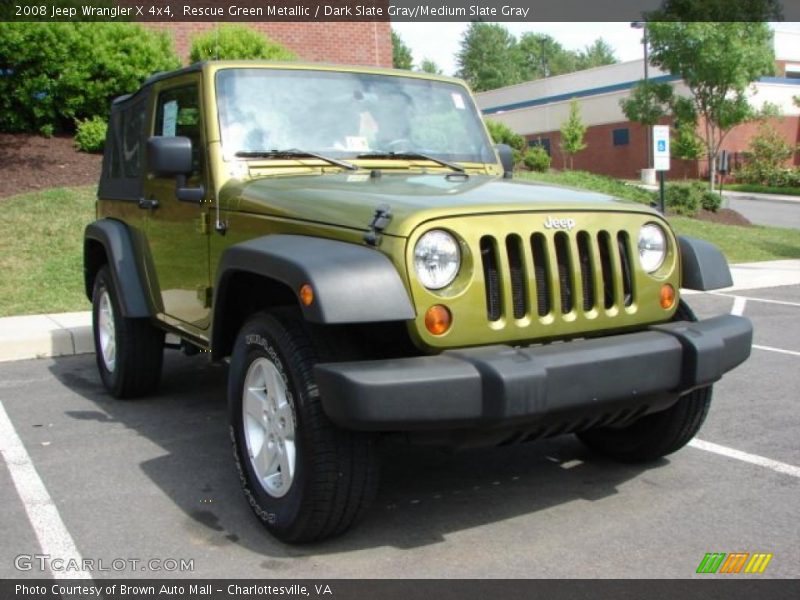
[148, 204]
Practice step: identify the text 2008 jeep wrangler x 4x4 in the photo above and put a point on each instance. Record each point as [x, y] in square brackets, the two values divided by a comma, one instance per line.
[349, 240]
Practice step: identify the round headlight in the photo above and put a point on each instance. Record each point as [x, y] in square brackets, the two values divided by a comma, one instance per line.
[437, 259]
[652, 247]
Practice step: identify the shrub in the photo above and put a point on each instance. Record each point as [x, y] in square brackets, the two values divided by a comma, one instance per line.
[710, 200]
[90, 134]
[55, 73]
[537, 159]
[236, 42]
[683, 198]
[766, 158]
[502, 134]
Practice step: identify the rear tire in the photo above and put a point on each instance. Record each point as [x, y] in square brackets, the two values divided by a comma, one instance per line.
[129, 352]
[657, 434]
[304, 478]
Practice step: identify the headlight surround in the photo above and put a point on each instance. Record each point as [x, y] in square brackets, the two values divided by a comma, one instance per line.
[652, 247]
[437, 259]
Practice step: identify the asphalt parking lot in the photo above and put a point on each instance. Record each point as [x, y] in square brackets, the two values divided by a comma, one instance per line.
[154, 479]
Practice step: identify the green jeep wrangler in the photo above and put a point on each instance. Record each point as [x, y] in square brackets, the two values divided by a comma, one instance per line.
[352, 244]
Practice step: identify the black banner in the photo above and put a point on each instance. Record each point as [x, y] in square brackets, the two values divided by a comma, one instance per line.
[733, 588]
[397, 10]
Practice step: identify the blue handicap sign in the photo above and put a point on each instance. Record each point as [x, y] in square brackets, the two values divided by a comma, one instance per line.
[662, 145]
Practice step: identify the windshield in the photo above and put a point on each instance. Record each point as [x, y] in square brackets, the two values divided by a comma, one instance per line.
[347, 115]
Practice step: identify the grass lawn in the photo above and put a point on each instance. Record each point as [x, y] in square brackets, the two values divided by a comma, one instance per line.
[41, 250]
[743, 244]
[41, 242]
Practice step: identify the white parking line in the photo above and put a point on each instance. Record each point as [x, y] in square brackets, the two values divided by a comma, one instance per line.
[53, 536]
[739, 305]
[780, 350]
[766, 300]
[753, 459]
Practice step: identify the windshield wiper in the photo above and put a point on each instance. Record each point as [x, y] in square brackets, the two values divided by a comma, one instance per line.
[296, 153]
[413, 156]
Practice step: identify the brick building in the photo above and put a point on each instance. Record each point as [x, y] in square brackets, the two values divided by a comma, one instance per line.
[616, 146]
[355, 43]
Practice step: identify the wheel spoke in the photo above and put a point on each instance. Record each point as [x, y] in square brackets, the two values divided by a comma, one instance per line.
[255, 401]
[266, 461]
[288, 459]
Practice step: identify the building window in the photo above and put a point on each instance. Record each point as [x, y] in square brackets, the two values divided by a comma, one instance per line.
[543, 142]
[621, 136]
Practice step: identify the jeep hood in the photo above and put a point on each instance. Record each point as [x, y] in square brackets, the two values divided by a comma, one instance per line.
[349, 199]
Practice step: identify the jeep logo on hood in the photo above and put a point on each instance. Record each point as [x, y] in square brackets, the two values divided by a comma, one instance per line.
[551, 223]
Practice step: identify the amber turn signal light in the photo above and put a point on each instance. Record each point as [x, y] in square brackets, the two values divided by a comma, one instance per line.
[438, 319]
[306, 294]
[667, 296]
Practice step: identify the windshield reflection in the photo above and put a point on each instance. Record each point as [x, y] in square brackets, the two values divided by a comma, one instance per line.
[347, 114]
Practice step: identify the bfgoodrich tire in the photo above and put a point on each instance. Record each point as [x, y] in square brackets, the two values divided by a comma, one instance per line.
[304, 478]
[657, 434]
[129, 352]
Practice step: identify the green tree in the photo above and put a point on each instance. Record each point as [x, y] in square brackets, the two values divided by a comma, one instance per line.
[648, 103]
[55, 73]
[539, 55]
[429, 66]
[597, 54]
[686, 143]
[401, 53]
[573, 131]
[718, 10]
[487, 58]
[718, 62]
[236, 42]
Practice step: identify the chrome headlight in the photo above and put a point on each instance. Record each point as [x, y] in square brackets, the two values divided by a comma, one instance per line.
[437, 259]
[652, 247]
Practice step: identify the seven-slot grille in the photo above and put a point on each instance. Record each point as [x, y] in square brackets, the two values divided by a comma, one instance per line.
[556, 273]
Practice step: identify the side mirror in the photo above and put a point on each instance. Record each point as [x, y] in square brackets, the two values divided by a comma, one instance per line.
[169, 156]
[172, 157]
[506, 159]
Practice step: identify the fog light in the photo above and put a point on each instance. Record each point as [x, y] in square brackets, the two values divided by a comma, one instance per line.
[667, 296]
[438, 319]
[306, 294]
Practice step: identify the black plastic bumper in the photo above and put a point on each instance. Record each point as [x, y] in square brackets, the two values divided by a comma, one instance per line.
[495, 385]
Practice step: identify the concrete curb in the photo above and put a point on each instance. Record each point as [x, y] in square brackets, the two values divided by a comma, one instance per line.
[40, 336]
[65, 334]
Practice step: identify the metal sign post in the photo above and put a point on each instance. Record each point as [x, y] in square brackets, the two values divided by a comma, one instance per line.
[661, 159]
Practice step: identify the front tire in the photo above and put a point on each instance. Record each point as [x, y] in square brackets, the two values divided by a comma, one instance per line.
[657, 434]
[129, 352]
[304, 478]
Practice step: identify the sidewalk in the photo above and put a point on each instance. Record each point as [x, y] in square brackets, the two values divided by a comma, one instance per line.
[40, 336]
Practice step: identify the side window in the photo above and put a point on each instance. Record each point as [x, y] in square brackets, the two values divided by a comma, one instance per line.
[178, 114]
[121, 178]
[132, 141]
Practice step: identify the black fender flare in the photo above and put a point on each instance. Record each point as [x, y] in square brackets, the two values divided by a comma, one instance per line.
[115, 237]
[703, 266]
[351, 283]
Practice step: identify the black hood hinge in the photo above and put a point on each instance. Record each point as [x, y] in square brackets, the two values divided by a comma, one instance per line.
[380, 220]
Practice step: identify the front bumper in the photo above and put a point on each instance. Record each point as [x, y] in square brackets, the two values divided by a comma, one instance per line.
[500, 386]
